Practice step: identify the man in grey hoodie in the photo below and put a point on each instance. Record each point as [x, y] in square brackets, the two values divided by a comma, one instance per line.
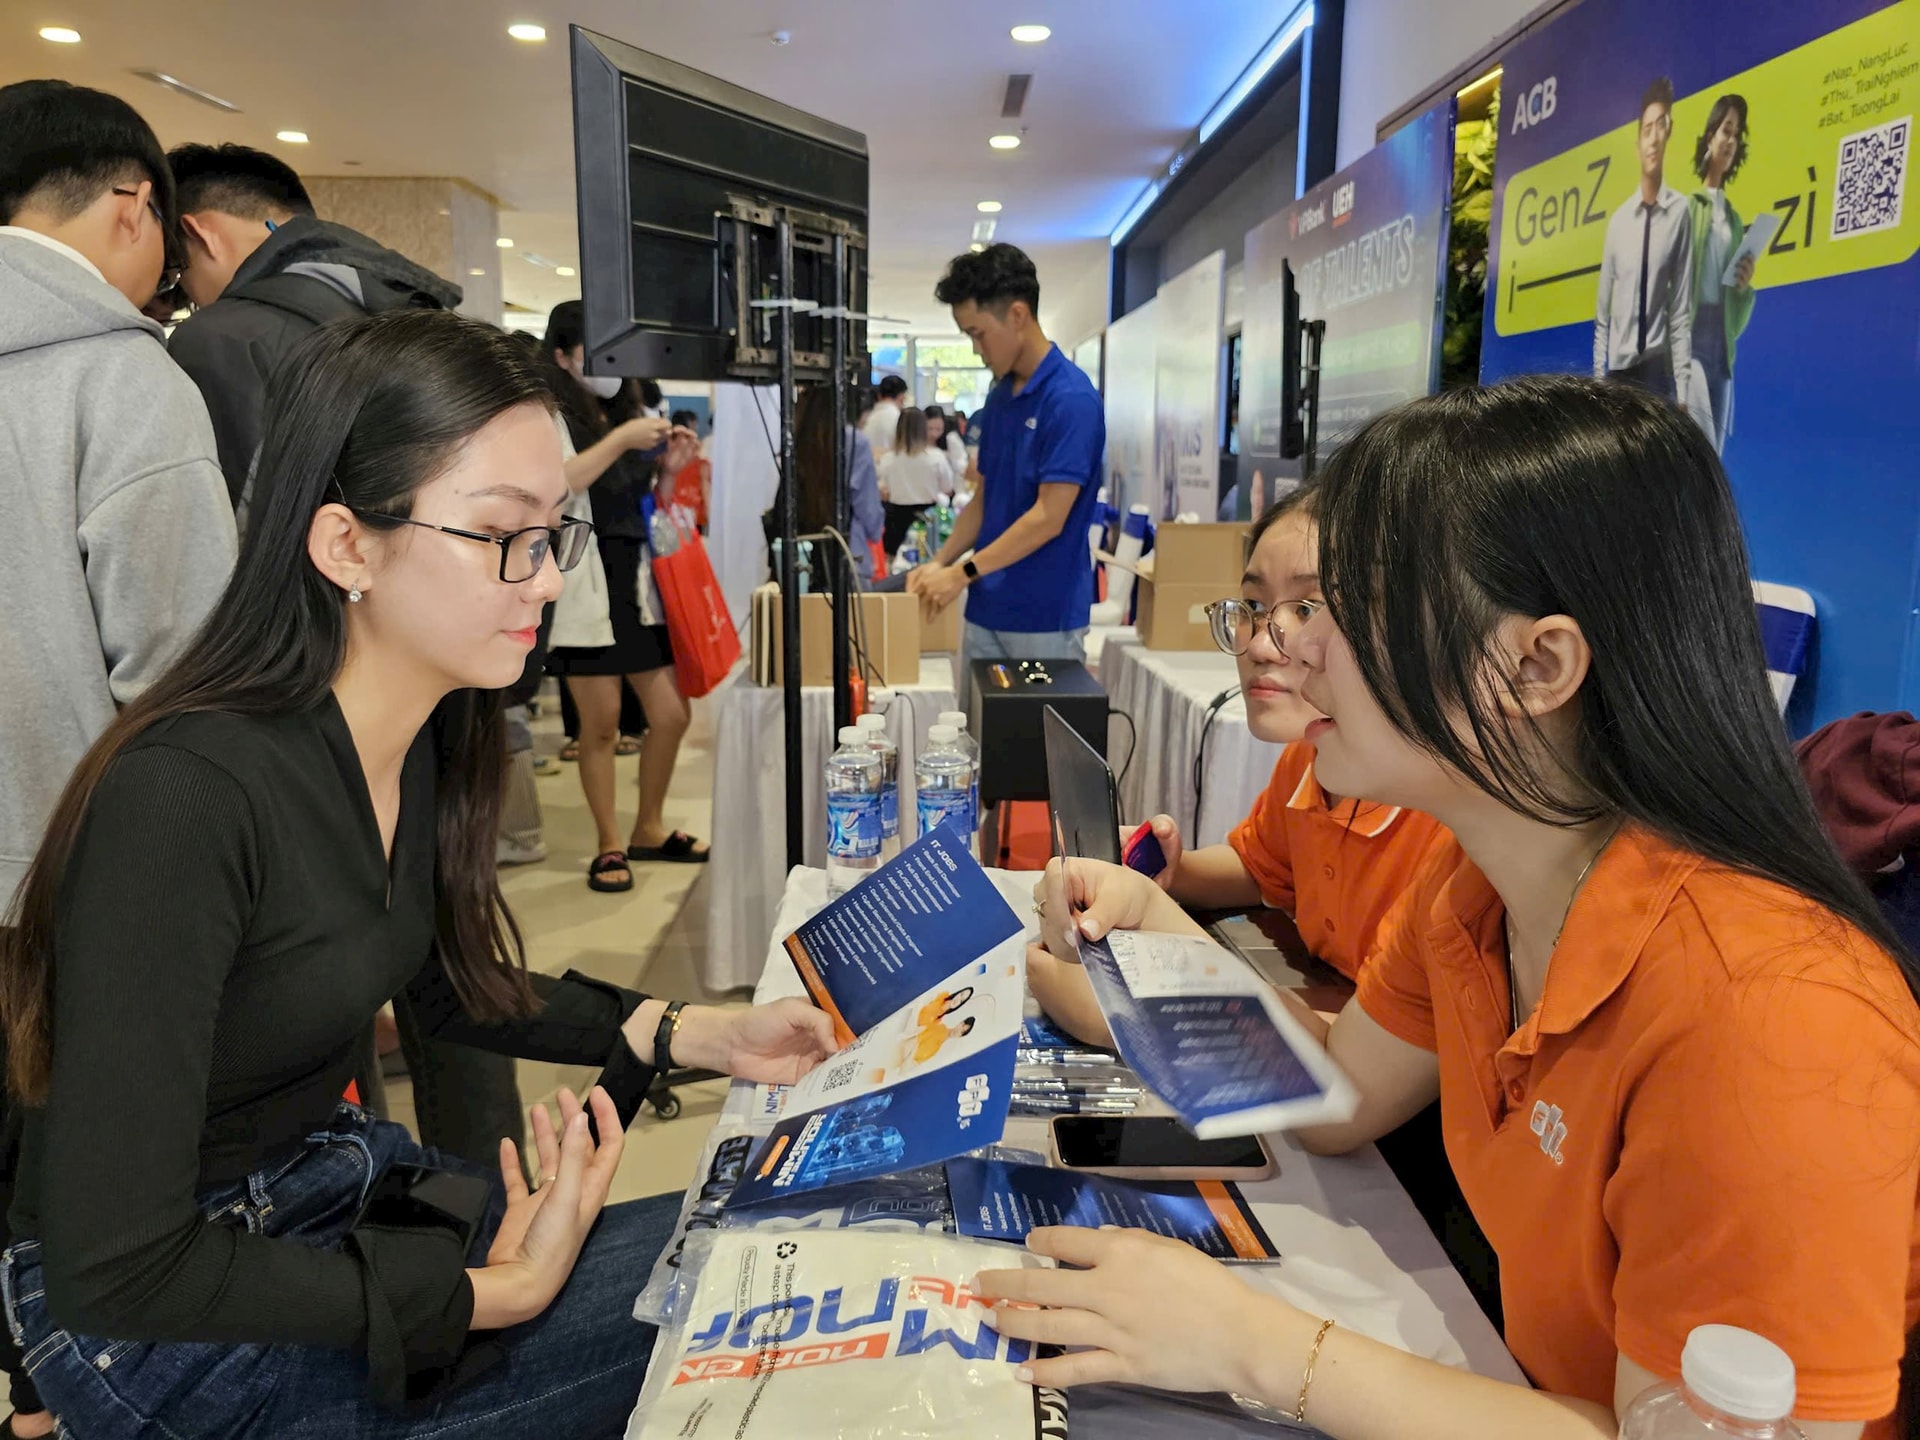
[263, 273]
[120, 535]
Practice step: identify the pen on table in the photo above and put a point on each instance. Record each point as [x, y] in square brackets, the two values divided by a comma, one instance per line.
[1073, 1087]
[1076, 1104]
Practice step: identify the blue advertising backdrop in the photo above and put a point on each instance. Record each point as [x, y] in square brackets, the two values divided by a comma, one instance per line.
[1368, 247]
[1818, 427]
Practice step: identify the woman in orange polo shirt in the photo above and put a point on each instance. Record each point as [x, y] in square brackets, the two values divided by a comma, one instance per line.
[1676, 1045]
[1335, 865]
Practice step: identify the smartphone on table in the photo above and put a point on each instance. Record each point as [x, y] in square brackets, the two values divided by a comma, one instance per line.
[1155, 1147]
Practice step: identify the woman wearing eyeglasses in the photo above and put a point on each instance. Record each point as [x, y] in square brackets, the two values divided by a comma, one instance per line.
[1675, 1043]
[290, 825]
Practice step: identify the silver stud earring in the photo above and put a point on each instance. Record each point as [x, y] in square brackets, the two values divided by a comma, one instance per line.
[354, 595]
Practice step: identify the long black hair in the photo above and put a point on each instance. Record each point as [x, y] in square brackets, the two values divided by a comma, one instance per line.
[1722, 107]
[362, 413]
[1561, 495]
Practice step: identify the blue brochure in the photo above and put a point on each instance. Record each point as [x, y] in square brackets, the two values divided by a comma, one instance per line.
[1207, 1035]
[930, 1081]
[907, 926]
[998, 1201]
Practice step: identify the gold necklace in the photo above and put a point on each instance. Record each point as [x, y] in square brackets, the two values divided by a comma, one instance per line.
[1506, 922]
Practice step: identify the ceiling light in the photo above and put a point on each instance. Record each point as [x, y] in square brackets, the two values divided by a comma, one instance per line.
[292, 137]
[532, 34]
[1030, 34]
[564, 270]
[976, 247]
[988, 207]
[1004, 142]
[504, 243]
[476, 272]
[60, 35]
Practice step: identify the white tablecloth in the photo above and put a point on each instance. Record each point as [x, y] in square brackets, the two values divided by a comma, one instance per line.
[1353, 1246]
[1167, 693]
[750, 804]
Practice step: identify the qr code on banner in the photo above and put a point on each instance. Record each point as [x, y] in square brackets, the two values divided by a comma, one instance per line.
[841, 1075]
[1872, 179]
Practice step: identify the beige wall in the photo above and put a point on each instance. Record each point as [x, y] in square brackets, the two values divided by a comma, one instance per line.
[447, 225]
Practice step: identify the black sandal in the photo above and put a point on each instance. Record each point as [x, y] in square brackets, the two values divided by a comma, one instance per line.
[605, 865]
[676, 848]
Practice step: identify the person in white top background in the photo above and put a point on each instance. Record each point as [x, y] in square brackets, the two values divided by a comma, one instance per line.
[1643, 318]
[879, 426]
[911, 478]
[946, 439]
[1720, 312]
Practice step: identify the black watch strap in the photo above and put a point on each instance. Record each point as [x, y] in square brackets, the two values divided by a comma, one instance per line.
[663, 1037]
[970, 570]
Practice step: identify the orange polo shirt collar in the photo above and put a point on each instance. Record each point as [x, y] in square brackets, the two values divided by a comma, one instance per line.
[1367, 818]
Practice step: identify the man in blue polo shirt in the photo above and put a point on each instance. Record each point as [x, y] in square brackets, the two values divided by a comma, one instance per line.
[1043, 439]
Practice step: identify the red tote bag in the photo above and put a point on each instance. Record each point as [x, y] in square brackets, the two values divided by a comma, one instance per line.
[705, 644]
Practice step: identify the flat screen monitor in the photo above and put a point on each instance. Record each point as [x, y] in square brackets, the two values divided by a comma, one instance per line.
[682, 178]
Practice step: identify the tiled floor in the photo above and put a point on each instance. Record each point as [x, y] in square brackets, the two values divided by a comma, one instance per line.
[648, 938]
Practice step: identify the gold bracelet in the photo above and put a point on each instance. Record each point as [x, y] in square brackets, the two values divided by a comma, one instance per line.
[1306, 1381]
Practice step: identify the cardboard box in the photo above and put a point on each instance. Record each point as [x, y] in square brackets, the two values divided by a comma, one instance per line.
[1190, 567]
[941, 635]
[885, 627]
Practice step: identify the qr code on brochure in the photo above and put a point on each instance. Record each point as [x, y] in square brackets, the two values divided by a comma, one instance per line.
[1871, 179]
[841, 1076]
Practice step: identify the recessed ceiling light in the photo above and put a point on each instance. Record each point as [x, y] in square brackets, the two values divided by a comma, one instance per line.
[292, 137]
[504, 243]
[532, 34]
[976, 247]
[476, 271]
[1030, 34]
[1004, 142]
[60, 35]
[988, 207]
[563, 270]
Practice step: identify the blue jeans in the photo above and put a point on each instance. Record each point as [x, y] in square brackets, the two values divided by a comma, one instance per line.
[979, 643]
[572, 1371]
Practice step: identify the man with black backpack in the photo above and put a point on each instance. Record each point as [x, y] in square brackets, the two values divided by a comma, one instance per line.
[262, 273]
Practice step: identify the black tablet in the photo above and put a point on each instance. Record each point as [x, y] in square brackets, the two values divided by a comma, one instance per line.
[1082, 802]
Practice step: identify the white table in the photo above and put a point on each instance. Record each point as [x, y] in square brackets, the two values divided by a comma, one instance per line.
[1353, 1246]
[750, 803]
[1168, 693]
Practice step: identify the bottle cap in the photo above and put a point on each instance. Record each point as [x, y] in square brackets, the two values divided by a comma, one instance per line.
[942, 734]
[850, 735]
[871, 722]
[1738, 1372]
[956, 718]
[879, 699]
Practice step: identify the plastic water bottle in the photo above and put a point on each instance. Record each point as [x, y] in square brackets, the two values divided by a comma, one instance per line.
[874, 729]
[1732, 1383]
[944, 777]
[853, 812]
[971, 748]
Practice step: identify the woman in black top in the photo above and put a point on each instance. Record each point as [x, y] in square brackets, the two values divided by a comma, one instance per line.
[294, 823]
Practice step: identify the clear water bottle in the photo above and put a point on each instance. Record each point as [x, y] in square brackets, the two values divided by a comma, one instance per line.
[1733, 1383]
[874, 729]
[958, 720]
[853, 812]
[943, 775]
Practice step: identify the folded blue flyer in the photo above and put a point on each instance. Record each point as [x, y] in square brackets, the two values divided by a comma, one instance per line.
[1208, 1036]
[932, 1080]
[907, 926]
[998, 1201]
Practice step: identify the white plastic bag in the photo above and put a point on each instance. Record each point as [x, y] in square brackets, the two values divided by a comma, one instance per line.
[844, 1334]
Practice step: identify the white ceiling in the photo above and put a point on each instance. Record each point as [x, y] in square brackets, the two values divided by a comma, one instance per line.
[436, 87]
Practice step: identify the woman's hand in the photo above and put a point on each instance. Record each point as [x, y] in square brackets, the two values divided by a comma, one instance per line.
[1168, 834]
[1066, 994]
[540, 1236]
[772, 1044]
[683, 448]
[1152, 1311]
[1743, 273]
[643, 432]
[1087, 898]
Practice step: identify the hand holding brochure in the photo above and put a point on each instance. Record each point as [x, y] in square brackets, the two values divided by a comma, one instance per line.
[1210, 1038]
[930, 963]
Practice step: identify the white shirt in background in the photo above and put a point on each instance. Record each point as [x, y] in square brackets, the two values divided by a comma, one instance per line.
[882, 425]
[915, 479]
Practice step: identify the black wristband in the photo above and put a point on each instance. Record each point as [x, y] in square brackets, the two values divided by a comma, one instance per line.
[970, 570]
[663, 1037]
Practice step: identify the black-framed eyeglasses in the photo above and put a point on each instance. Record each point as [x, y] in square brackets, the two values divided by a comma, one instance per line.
[1234, 623]
[173, 263]
[523, 552]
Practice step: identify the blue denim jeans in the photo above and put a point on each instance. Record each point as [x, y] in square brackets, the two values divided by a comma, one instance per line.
[573, 1371]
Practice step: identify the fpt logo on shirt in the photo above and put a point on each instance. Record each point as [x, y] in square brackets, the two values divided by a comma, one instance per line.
[1551, 1129]
[1033, 422]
